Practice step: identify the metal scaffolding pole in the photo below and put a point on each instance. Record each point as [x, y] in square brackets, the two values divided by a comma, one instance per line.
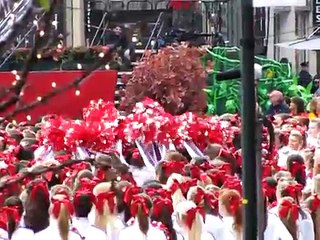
[249, 117]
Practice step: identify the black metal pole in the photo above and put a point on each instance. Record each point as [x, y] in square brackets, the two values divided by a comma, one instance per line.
[248, 115]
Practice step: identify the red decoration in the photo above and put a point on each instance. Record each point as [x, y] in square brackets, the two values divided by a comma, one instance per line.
[139, 201]
[181, 4]
[56, 206]
[159, 204]
[100, 84]
[191, 215]
[102, 198]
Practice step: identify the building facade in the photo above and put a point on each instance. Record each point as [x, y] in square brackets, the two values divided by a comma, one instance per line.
[286, 24]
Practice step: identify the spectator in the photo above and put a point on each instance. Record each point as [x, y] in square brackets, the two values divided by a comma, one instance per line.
[297, 106]
[313, 109]
[278, 104]
[315, 85]
[304, 76]
[126, 49]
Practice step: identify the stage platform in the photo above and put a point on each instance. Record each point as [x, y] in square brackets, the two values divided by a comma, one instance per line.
[100, 84]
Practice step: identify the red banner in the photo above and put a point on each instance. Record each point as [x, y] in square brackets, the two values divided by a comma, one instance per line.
[100, 84]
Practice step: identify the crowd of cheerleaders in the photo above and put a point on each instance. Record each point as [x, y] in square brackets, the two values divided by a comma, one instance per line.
[153, 176]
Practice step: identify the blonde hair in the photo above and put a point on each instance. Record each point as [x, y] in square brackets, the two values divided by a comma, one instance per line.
[107, 218]
[194, 233]
[177, 196]
[63, 218]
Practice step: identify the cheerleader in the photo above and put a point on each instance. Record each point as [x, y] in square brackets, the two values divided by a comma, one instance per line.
[304, 221]
[36, 218]
[230, 208]
[140, 226]
[105, 209]
[209, 202]
[162, 212]
[190, 219]
[313, 205]
[288, 212]
[83, 202]
[295, 145]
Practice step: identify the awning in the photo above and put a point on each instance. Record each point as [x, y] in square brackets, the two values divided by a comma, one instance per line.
[312, 43]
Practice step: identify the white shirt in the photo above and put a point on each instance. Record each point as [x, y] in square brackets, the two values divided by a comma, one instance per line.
[229, 232]
[214, 225]
[50, 233]
[275, 229]
[3, 234]
[304, 226]
[113, 229]
[283, 154]
[133, 232]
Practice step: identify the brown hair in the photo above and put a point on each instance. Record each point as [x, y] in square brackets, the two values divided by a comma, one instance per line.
[212, 150]
[36, 208]
[142, 218]
[226, 197]
[14, 202]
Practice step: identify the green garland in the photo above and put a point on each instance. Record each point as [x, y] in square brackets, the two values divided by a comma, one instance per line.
[224, 96]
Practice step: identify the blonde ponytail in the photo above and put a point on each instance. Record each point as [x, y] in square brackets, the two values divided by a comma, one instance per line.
[63, 222]
[196, 229]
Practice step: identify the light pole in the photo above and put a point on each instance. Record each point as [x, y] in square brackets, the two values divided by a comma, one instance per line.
[248, 116]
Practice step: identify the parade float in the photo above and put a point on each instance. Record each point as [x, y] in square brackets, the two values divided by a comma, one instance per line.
[225, 96]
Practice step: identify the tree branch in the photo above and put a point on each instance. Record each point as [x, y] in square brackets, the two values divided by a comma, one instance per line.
[45, 169]
[76, 83]
[31, 59]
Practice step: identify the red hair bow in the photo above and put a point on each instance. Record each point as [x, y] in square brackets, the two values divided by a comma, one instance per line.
[100, 200]
[217, 177]
[39, 186]
[56, 206]
[232, 183]
[195, 171]
[209, 198]
[287, 207]
[297, 167]
[172, 167]
[292, 190]
[175, 186]
[315, 204]
[78, 194]
[87, 184]
[129, 192]
[269, 191]
[186, 185]
[159, 204]
[191, 215]
[199, 196]
[139, 201]
[225, 167]
[163, 193]
[234, 204]
[12, 211]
